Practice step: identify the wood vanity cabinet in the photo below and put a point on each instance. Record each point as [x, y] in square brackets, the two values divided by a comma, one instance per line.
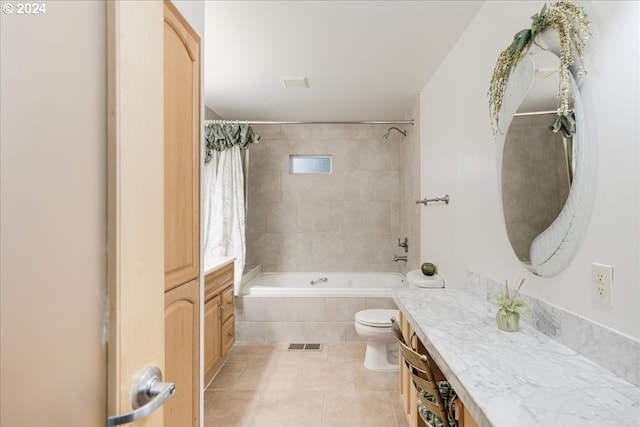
[181, 149]
[181, 218]
[219, 320]
[182, 354]
[408, 393]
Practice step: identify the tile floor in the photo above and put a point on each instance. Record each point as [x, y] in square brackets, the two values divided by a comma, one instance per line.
[264, 384]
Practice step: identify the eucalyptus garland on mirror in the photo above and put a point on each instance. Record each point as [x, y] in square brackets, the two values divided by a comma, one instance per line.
[569, 19]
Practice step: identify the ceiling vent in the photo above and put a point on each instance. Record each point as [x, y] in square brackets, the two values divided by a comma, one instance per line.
[291, 82]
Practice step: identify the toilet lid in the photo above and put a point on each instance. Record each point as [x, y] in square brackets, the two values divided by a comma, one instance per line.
[376, 317]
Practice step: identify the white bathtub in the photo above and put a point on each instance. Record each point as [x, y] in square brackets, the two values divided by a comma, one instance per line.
[336, 285]
[280, 307]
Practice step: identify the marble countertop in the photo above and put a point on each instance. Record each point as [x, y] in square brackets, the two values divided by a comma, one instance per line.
[508, 379]
[217, 262]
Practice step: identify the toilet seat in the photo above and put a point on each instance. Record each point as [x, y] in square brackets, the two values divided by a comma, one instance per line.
[377, 318]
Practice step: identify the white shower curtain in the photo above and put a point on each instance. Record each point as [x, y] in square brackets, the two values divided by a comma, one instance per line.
[224, 212]
[226, 145]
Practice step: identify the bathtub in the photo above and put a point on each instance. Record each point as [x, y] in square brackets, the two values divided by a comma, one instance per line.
[285, 307]
[335, 285]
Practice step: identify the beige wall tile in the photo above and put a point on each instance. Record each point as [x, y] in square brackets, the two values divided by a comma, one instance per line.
[256, 218]
[358, 185]
[342, 268]
[265, 188]
[388, 185]
[284, 309]
[284, 248]
[330, 248]
[267, 132]
[324, 332]
[281, 217]
[257, 157]
[284, 331]
[295, 131]
[314, 216]
[360, 248]
[342, 131]
[343, 309]
[382, 302]
[341, 218]
[386, 246]
[396, 217]
[249, 331]
[378, 268]
[345, 216]
[345, 153]
[375, 217]
[276, 156]
[379, 155]
[300, 187]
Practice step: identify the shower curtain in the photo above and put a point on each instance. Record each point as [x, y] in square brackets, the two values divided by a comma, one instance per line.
[224, 193]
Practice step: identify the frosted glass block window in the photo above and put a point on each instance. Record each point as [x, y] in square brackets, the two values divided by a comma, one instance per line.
[310, 164]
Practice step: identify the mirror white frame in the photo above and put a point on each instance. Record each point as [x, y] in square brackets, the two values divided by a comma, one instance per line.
[553, 249]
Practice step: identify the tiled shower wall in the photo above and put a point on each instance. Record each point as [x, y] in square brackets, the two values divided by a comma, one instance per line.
[349, 220]
[410, 178]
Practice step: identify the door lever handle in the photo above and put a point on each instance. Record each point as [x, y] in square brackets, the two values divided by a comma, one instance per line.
[150, 394]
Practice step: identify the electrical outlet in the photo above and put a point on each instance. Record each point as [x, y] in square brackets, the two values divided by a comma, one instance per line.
[601, 282]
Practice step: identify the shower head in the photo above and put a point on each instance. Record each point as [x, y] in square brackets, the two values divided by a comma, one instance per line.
[402, 131]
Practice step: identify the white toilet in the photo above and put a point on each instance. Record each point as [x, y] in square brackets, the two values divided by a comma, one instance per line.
[382, 349]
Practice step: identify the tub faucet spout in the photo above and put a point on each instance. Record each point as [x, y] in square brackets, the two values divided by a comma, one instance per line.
[397, 258]
[315, 282]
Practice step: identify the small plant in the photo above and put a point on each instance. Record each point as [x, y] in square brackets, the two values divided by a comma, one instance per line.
[510, 307]
[571, 22]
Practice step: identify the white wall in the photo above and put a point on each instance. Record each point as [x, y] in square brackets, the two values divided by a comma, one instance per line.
[458, 157]
[193, 12]
[53, 216]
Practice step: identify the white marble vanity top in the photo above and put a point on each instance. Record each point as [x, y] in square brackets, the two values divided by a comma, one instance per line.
[514, 379]
[217, 262]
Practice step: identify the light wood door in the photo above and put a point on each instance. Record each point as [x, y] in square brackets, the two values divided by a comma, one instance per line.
[182, 354]
[212, 338]
[135, 199]
[53, 200]
[181, 149]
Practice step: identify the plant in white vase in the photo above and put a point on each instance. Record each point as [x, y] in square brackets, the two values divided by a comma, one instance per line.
[510, 307]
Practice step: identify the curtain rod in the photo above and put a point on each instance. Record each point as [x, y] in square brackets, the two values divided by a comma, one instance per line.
[369, 122]
[535, 113]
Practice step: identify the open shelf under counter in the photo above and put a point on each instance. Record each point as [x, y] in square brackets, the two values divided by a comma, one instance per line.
[507, 379]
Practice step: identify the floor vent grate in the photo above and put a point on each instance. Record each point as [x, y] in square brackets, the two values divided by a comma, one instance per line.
[305, 347]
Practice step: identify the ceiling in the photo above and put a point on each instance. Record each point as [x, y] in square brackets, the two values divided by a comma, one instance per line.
[364, 60]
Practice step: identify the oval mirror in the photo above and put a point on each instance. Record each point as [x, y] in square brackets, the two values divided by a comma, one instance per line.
[546, 178]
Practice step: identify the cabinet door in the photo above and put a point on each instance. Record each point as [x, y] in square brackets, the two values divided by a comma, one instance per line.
[227, 304]
[212, 341]
[181, 149]
[228, 335]
[182, 354]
